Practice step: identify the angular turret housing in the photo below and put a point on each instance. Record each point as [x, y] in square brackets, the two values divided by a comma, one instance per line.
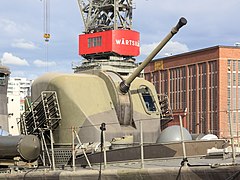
[88, 99]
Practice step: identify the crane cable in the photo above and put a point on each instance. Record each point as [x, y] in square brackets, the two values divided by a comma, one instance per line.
[46, 27]
[46, 19]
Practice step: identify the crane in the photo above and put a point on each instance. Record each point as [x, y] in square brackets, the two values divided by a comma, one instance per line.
[107, 22]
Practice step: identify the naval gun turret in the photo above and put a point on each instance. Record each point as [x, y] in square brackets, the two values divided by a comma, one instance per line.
[87, 99]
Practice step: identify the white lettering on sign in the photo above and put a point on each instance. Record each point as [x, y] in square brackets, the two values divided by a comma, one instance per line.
[127, 42]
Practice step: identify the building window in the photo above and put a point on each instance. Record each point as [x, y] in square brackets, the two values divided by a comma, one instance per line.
[202, 78]
[229, 65]
[234, 117]
[192, 97]
[234, 65]
[234, 79]
[229, 79]
[184, 86]
[238, 78]
[2, 80]
[164, 82]
[156, 80]
[238, 65]
[94, 42]
[213, 84]
[178, 88]
[233, 99]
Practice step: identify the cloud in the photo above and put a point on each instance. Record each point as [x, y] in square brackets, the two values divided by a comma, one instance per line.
[171, 48]
[23, 44]
[16, 73]
[40, 63]
[9, 58]
[8, 26]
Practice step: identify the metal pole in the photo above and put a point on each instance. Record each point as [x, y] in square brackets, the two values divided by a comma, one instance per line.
[81, 9]
[43, 153]
[182, 139]
[79, 141]
[115, 15]
[104, 151]
[232, 139]
[45, 146]
[237, 133]
[52, 149]
[73, 150]
[141, 145]
[103, 148]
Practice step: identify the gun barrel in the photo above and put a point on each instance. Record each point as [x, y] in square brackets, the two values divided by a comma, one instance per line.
[124, 85]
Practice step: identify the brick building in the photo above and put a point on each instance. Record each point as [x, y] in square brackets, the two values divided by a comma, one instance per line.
[203, 87]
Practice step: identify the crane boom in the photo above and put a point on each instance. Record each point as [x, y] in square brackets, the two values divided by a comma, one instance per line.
[101, 15]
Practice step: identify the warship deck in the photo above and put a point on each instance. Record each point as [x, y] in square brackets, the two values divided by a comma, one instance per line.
[221, 168]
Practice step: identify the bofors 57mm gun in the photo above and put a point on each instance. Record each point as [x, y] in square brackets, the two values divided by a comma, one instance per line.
[85, 100]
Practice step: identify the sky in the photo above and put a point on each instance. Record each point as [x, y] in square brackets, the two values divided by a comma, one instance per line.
[24, 51]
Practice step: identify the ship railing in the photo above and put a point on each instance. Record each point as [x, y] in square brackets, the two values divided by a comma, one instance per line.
[68, 156]
[184, 144]
[80, 145]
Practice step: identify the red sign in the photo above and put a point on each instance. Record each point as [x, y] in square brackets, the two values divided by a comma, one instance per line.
[121, 42]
